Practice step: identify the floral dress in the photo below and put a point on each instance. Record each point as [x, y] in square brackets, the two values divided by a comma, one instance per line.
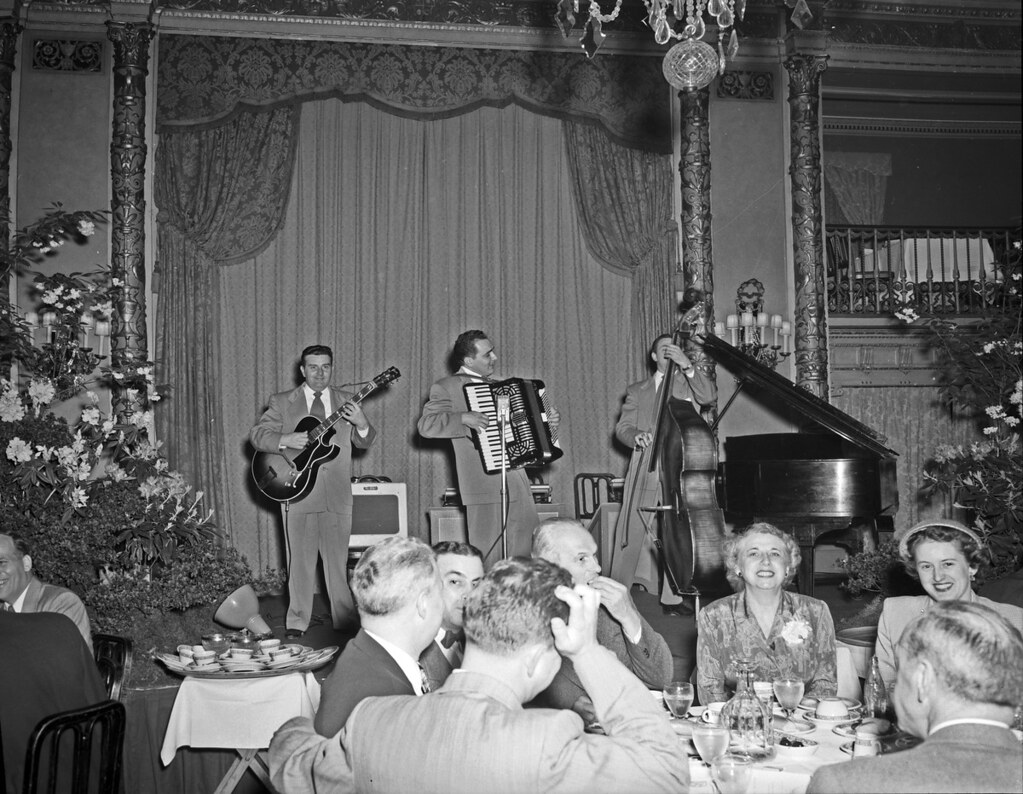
[801, 644]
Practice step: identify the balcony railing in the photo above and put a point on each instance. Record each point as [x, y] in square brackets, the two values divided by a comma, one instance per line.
[878, 270]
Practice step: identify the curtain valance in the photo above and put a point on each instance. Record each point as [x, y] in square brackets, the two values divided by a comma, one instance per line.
[204, 80]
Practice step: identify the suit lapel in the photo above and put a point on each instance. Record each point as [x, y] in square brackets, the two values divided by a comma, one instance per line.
[437, 666]
[33, 595]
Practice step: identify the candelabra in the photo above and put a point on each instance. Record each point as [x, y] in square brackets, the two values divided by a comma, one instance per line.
[749, 328]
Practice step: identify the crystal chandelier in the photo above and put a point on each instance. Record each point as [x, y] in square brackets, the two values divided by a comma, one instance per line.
[692, 63]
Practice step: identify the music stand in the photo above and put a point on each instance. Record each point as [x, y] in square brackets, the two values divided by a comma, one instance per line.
[503, 415]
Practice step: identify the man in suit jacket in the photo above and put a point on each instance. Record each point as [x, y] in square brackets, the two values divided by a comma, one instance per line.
[22, 592]
[473, 734]
[637, 562]
[461, 569]
[45, 668]
[620, 627]
[447, 415]
[957, 687]
[397, 588]
[320, 523]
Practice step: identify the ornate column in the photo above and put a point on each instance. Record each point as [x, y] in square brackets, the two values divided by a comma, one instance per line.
[127, 171]
[694, 166]
[9, 32]
[811, 347]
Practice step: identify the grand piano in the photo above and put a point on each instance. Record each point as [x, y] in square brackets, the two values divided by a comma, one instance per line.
[835, 482]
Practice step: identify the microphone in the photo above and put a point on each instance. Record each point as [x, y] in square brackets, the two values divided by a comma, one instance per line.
[503, 408]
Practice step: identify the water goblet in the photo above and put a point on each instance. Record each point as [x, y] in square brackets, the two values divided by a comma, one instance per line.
[731, 774]
[710, 740]
[678, 697]
[788, 691]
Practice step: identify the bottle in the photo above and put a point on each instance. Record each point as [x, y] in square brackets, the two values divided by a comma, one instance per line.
[875, 695]
[749, 723]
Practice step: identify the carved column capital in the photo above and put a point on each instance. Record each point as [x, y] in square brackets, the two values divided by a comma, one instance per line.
[811, 350]
[128, 154]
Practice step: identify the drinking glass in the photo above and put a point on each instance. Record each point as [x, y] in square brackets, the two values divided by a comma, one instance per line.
[731, 774]
[678, 697]
[788, 691]
[710, 740]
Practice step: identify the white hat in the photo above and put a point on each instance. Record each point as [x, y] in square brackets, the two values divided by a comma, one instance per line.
[902, 536]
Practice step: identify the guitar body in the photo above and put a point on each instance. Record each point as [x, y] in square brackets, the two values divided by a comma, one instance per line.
[289, 476]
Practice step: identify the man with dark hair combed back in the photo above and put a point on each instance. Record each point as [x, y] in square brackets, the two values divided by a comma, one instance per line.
[473, 735]
[959, 682]
[447, 415]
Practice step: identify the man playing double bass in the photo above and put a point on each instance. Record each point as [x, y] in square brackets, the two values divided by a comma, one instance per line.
[637, 562]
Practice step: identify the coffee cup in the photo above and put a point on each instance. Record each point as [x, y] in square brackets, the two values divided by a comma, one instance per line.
[712, 714]
[832, 708]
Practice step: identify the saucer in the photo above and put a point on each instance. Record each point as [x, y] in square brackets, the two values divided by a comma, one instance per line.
[810, 703]
[847, 748]
[848, 729]
[832, 722]
[796, 726]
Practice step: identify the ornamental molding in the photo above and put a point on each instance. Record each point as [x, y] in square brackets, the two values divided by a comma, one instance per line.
[746, 85]
[68, 56]
[920, 128]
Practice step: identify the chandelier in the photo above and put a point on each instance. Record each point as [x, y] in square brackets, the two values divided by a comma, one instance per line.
[692, 63]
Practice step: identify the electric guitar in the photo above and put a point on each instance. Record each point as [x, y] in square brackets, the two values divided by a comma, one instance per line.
[290, 475]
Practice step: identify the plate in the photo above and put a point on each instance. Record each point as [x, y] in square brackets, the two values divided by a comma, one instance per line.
[848, 729]
[810, 703]
[831, 723]
[796, 726]
[309, 660]
[239, 667]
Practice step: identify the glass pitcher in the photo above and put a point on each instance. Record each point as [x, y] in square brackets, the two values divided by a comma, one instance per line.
[749, 722]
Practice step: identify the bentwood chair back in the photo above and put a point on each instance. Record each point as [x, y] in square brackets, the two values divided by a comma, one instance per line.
[113, 658]
[77, 752]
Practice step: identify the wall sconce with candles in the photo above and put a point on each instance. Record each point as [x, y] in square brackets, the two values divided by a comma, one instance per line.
[765, 337]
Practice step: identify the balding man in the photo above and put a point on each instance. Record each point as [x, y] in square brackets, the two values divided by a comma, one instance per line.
[397, 589]
[21, 591]
[473, 735]
[620, 627]
[959, 680]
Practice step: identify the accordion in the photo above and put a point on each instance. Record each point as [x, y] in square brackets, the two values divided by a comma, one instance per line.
[529, 439]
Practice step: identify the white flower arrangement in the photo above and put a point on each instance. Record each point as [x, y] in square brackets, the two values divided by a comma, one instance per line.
[795, 631]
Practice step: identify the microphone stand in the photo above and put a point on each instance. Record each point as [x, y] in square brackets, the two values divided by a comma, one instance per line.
[503, 410]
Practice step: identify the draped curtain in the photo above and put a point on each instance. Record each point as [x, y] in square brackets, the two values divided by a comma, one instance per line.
[221, 195]
[858, 181]
[623, 197]
[399, 235]
[400, 232]
[915, 422]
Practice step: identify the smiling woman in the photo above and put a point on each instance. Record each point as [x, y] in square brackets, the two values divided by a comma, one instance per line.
[944, 556]
[783, 634]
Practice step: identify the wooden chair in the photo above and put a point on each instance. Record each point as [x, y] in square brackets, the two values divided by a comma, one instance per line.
[590, 491]
[94, 734]
[113, 658]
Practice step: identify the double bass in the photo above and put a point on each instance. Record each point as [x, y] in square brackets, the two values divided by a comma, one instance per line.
[683, 454]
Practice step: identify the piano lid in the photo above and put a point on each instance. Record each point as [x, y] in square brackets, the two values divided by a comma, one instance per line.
[812, 406]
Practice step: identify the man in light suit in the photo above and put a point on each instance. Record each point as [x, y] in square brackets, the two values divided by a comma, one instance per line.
[319, 523]
[397, 587]
[21, 591]
[637, 562]
[958, 683]
[473, 735]
[461, 569]
[620, 627]
[447, 415]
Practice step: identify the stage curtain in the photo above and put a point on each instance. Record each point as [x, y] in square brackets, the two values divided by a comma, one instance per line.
[915, 422]
[623, 197]
[221, 194]
[400, 234]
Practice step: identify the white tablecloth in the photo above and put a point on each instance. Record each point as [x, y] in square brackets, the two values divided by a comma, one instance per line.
[909, 258]
[238, 713]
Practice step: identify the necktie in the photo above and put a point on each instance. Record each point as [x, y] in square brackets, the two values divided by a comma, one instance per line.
[318, 410]
[5, 607]
[450, 637]
[425, 680]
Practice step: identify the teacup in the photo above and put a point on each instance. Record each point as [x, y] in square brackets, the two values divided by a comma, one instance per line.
[204, 657]
[267, 647]
[185, 654]
[712, 713]
[242, 654]
[278, 654]
[832, 708]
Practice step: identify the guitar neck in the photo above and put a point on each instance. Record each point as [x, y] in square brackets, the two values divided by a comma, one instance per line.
[331, 420]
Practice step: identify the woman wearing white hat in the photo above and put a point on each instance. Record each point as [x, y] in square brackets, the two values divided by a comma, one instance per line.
[945, 556]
